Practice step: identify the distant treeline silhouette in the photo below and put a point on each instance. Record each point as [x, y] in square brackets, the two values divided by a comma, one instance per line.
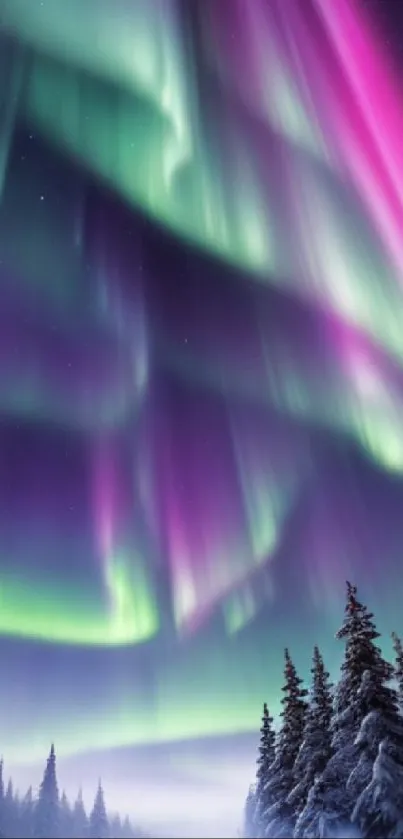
[50, 816]
[335, 767]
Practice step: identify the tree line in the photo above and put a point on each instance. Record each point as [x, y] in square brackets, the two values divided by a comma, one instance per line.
[51, 816]
[335, 766]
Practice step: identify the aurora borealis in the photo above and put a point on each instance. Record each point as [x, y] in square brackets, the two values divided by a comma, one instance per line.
[201, 356]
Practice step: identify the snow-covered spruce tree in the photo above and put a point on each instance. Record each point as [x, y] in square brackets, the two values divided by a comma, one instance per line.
[378, 705]
[265, 759]
[398, 648]
[381, 703]
[330, 801]
[99, 825]
[379, 809]
[377, 781]
[249, 830]
[46, 816]
[279, 815]
[315, 750]
[80, 827]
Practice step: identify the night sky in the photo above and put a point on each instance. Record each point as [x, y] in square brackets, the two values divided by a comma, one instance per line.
[201, 376]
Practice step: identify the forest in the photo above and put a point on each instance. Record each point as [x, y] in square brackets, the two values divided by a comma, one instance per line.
[334, 768]
[51, 816]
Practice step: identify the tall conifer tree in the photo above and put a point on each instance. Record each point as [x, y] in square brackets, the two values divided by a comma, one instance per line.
[99, 826]
[315, 750]
[265, 760]
[279, 815]
[65, 817]
[80, 826]
[46, 819]
[332, 797]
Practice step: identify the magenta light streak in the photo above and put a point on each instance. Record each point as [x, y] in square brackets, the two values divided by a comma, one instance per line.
[104, 501]
[370, 122]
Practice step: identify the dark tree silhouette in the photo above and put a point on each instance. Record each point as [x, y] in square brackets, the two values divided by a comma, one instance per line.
[46, 818]
[279, 815]
[315, 750]
[99, 827]
[10, 812]
[264, 762]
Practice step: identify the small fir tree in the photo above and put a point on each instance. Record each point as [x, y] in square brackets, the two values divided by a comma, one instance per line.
[99, 827]
[128, 831]
[264, 762]
[46, 819]
[65, 817]
[279, 815]
[80, 826]
[26, 819]
[315, 750]
[116, 828]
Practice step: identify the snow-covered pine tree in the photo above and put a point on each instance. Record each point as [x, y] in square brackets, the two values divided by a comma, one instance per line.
[80, 826]
[330, 803]
[315, 750]
[265, 759]
[379, 809]
[377, 781]
[249, 823]
[378, 707]
[398, 648]
[378, 704]
[46, 817]
[279, 815]
[99, 825]
[128, 831]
